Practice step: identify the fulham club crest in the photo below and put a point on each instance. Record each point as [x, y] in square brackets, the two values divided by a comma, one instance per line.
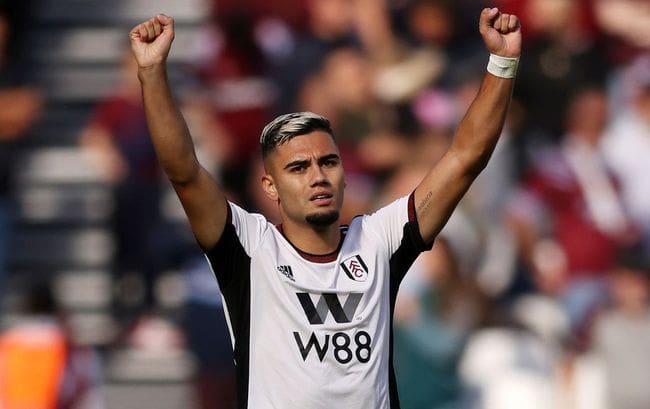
[355, 268]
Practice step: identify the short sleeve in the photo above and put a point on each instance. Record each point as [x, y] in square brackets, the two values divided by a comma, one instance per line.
[396, 225]
[230, 256]
[249, 227]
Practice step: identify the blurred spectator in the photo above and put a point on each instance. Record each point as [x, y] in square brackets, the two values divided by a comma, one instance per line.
[292, 12]
[20, 107]
[117, 141]
[622, 335]
[40, 367]
[404, 64]
[627, 23]
[531, 10]
[516, 363]
[569, 218]
[295, 58]
[627, 143]
[560, 60]
[230, 72]
[207, 337]
[433, 25]
[437, 309]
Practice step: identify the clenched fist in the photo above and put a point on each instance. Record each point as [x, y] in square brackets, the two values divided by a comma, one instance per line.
[151, 40]
[501, 32]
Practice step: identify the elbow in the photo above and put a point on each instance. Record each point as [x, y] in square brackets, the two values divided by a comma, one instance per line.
[478, 164]
[472, 164]
[182, 176]
[181, 181]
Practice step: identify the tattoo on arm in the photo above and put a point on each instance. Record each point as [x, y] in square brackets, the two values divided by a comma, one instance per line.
[425, 204]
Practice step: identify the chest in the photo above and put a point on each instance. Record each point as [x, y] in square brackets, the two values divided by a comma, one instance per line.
[344, 290]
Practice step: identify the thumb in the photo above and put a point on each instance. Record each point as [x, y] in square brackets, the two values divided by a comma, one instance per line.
[165, 21]
[487, 18]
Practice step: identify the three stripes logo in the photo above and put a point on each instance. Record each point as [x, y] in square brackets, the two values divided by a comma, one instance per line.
[329, 303]
[286, 271]
[355, 268]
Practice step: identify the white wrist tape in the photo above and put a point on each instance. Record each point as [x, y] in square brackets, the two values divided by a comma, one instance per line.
[503, 67]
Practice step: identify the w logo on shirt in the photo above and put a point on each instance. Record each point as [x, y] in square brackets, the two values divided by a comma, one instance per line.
[355, 268]
[329, 302]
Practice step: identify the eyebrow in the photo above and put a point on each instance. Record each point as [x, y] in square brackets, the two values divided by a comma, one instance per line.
[328, 157]
[305, 162]
[299, 162]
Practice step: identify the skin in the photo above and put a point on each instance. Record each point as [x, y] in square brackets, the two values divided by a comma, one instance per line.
[299, 171]
[205, 205]
[477, 134]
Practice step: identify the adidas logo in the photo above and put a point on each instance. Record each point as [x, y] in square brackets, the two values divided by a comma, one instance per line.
[286, 271]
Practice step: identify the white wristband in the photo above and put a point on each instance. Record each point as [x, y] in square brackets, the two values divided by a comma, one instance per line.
[503, 67]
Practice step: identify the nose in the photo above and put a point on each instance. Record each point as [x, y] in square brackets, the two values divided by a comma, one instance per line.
[319, 177]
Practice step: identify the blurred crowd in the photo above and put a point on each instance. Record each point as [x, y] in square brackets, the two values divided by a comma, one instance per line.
[535, 295]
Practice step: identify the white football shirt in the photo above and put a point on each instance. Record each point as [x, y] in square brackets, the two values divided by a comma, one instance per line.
[315, 331]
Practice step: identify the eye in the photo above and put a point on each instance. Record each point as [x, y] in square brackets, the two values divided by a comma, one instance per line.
[330, 162]
[297, 168]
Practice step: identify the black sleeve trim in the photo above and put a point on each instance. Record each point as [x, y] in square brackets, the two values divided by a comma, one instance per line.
[231, 265]
[228, 257]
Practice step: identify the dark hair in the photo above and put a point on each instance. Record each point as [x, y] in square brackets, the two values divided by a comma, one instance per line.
[633, 258]
[288, 126]
[39, 298]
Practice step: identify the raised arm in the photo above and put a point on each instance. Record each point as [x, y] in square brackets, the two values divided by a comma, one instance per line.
[202, 199]
[478, 132]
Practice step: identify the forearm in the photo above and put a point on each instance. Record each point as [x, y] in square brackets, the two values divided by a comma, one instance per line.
[441, 190]
[477, 134]
[169, 134]
[479, 131]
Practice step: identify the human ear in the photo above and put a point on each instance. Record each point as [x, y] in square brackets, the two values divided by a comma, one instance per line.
[268, 185]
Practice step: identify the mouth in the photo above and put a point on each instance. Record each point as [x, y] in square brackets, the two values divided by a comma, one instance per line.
[322, 198]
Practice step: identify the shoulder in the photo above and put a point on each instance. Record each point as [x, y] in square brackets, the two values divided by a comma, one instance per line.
[236, 212]
[246, 227]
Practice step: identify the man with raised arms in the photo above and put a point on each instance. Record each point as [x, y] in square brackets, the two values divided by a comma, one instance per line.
[309, 302]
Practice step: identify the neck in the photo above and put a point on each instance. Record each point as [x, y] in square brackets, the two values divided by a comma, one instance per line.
[313, 240]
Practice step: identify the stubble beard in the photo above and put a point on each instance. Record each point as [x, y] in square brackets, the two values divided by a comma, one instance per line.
[322, 219]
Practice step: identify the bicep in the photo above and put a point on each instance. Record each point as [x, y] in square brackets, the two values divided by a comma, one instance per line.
[205, 206]
[439, 193]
